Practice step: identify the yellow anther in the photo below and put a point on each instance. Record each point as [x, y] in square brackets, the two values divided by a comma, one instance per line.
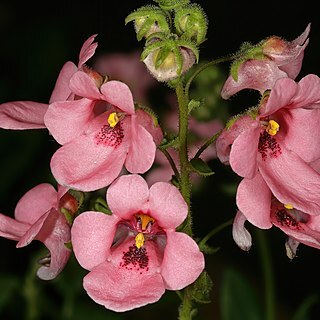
[288, 206]
[139, 240]
[273, 127]
[145, 220]
[113, 119]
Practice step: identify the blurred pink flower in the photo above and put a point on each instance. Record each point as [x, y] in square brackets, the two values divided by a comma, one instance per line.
[281, 59]
[128, 68]
[135, 254]
[38, 217]
[274, 150]
[100, 132]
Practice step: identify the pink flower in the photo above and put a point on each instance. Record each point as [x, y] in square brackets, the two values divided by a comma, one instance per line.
[38, 217]
[135, 254]
[100, 133]
[274, 147]
[280, 59]
[61, 91]
[299, 226]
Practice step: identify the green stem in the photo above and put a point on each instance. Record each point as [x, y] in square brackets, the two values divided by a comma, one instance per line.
[268, 275]
[206, 144]
[205, 66]
[185, 311]
[214, 231]
[185, 186]
[171, 162]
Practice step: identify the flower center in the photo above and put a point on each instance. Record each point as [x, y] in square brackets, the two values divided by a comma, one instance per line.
[272, 127]
[111, 134]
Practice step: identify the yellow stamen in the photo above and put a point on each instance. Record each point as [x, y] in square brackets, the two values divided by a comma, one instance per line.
[288, 206]
[113, 119]
[273, 127]
[145, 220]
[139, 240]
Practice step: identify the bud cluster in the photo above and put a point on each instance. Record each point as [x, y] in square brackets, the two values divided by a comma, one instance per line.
[173, 30]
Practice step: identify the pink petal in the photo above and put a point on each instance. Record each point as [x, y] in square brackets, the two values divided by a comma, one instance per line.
[87, 51]
[254, 201]
[118, 94]
[280, 97]
[121, 288]
[292, 181]
[61, 91]
[55, 233]
[21, 115]
[83, 165]
[82, 85]
[36, 202]
[67, 120]
[301, 133]
[259, 75]
[240, 234]
[145, 120]
[92, 235]
[127, 195]
[142, 150]
[33, 231]
[182, 262]
[11, 228]
[243, 155]
[167, 205]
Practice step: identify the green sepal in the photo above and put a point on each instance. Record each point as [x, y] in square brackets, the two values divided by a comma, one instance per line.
[206, 249]
[171, 4]
[191, 22]
[161, 56]
[68, 245]
[78, 195]
[150, 47]
[100, 204]
[194, 104]
[67, 214]
[201, 288]
[200, 167]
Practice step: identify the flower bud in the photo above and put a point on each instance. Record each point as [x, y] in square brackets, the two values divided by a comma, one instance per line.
[191, 22]
[148, 20]
[171, 4]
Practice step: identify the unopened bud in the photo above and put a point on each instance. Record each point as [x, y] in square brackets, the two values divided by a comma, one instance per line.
[171, 4]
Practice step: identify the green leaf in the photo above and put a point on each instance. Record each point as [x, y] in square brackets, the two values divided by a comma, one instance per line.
[194, 104]
[206, 249]
[238, 299]
[201, 288]
[200, 167]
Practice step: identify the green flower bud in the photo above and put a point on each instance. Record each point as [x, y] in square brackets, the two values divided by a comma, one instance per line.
[171, 4]
[191, 23]
[148, 20]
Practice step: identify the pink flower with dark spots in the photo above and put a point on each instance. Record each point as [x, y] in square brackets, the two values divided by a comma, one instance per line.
[276, 59]
[300, 227]
[135, 254]
[38, 217]
[274, 147]
[99, 132]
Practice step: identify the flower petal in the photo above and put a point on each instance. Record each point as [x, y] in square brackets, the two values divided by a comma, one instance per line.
[92, 235]
[87, 50]
[11, 228]
[127, 195]
[120, 287]
[254, 201]
[292, 181]
[243, 155]
[83, 165]
[142, 149]
[240, 234]
[61, 91]
[35, 203]
[21, 115]
[69, 119]
[182, 262]
[167, 205]
[118, 94]
[82, 85]
[54, 234]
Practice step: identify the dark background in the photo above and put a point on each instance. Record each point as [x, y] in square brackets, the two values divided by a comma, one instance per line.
[37, 39]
